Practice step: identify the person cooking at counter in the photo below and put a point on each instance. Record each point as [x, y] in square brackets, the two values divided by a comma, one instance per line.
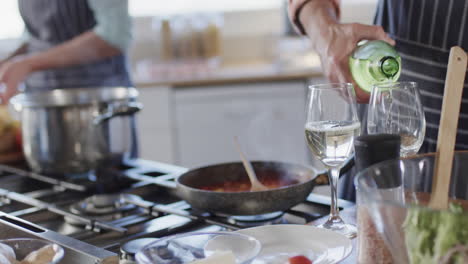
[423, 32]
[70, 44]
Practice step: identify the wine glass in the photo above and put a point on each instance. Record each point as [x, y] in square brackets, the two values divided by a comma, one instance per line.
[331, 126]
[395, 108]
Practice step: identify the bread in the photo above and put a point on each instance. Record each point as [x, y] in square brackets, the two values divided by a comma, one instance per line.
[44, 255]
[7, 141]
[10, 134]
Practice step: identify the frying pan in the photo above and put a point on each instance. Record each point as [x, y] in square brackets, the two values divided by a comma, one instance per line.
[190, 183]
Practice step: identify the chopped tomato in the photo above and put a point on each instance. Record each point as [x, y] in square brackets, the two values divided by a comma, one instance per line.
[299, 260]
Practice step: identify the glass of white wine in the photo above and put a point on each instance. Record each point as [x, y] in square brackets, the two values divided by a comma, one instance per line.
[331, 126]
[395, 108]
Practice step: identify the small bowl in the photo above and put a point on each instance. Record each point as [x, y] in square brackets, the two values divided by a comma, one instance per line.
[189, 247]
[24, 246]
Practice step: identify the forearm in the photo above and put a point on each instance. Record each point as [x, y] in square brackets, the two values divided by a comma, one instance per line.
[316, 17]
[296, 10]
[19, 51]
[85, 48]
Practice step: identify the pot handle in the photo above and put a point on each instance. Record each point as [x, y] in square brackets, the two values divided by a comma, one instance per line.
[122, 110]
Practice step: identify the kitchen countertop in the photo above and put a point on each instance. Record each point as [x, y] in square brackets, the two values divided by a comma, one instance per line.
[244, 72]
[349, 216]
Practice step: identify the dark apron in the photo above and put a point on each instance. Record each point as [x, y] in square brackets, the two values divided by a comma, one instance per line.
[52, 22]
[424, 31]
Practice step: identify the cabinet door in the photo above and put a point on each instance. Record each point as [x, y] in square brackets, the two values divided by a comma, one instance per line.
[154, 124]
[268, 118]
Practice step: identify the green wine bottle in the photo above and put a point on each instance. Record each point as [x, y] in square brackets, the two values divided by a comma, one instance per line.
[374, 62]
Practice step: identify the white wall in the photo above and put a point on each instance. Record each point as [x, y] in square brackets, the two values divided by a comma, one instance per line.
[253, 34]
[250, 31]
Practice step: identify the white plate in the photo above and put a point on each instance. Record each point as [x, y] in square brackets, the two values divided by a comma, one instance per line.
[279, 242]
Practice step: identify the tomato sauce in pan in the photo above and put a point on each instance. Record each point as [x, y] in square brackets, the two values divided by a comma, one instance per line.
[244, 186]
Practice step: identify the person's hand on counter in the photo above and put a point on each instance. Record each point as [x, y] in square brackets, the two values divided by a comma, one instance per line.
[334, 41]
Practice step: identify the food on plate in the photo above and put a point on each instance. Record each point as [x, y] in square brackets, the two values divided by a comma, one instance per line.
[244, 185]
[285, 257]
[43, 255]
[7, 252]
[218, 257]
[299, 260]
[437, 236]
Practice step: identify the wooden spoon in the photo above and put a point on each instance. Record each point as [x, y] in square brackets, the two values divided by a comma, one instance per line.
[255, 183]
[448, 128]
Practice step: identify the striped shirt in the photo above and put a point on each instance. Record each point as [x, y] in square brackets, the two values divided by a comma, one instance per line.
[424, 31]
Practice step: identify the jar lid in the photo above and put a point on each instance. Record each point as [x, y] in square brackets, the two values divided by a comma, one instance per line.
[73, 96]
[376, 148]
[376, 140]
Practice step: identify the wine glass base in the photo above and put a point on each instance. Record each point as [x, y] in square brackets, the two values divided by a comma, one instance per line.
[347, 230]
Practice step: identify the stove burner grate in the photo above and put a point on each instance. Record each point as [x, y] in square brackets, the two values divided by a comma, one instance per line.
[104, 207]
[244, 221]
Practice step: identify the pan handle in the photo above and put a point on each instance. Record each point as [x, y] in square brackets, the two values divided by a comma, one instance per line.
[322, 178]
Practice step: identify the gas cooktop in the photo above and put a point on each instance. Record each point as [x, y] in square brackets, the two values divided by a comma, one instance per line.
[107, 218]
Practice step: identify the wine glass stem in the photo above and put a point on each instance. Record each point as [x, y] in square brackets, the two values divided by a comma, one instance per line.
[333, 175]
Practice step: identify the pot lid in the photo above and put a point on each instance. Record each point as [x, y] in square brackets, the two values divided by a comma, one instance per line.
[73, 96]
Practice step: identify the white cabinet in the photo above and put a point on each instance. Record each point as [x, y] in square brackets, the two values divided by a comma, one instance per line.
[268, 118]
[155, 124]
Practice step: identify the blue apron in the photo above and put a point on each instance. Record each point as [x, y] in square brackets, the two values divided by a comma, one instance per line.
[52, 22]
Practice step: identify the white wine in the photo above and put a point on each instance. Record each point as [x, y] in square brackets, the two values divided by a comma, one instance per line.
[332, 141]
[410, 144]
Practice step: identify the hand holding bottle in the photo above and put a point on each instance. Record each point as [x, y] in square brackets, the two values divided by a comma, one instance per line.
[335, 42]
[335, 49]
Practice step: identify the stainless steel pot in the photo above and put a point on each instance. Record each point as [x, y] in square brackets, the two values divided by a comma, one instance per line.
[72, 131]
